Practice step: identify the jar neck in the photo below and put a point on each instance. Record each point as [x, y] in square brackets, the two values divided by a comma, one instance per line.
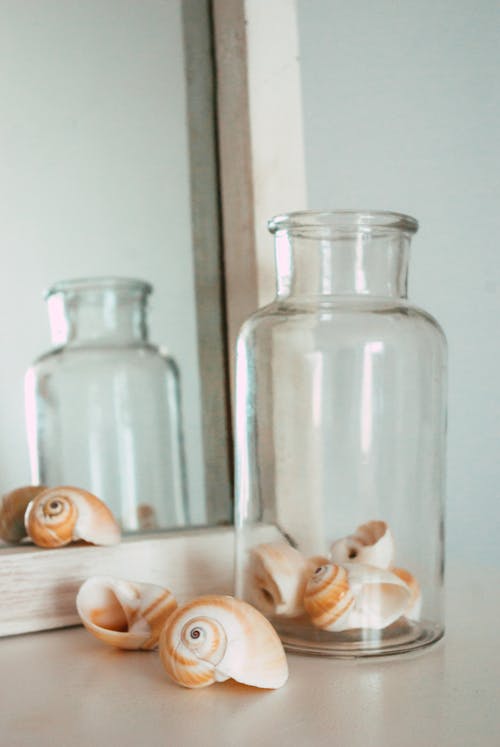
[342, 259]
[101, 314]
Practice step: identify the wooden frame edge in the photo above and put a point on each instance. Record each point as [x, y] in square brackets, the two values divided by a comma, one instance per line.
[261, 144]
[42, 589]
[208, 259]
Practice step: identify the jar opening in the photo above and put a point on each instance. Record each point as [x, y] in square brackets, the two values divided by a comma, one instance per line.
[79, 285]
[342, 221]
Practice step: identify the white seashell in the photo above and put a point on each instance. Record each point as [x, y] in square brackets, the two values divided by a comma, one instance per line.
[58, 516]
[123, 613]
[414, 607]
[12, 509]
[277, 577]
[354, 596]
[214, 638]
[371, 544]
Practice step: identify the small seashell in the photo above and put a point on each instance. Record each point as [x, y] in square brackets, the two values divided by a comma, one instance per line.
[354, 596]
[371, 544]
[214, 638]
[123, 613]
[58, 516]
[414, 608]
[146, 516]
[12, 510]
[277, 578]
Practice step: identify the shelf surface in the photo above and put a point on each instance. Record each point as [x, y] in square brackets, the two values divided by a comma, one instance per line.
[63, 688]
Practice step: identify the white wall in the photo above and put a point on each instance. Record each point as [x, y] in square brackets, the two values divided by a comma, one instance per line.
[93, 180]
[402, 111]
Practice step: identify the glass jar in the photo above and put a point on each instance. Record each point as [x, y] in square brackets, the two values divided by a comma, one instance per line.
[103, 406]
[340, 442]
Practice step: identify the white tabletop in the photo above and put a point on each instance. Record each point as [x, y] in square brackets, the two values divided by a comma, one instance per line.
[64, 688]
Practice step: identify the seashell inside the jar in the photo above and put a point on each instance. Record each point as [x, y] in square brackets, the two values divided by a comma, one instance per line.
[277, 577]
[215, 638]
[372, 544]
[413, 609]
[353, 596]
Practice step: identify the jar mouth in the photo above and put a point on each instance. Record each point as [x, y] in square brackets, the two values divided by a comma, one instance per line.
[96, 284]
[342, 221]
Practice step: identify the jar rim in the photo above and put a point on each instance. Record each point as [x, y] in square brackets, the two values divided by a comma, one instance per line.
[343, 220]
[99, 283]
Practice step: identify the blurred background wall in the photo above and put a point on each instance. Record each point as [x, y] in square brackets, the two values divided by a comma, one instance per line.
[401, 112]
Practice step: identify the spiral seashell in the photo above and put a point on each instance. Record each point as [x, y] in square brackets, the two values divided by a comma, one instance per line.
[354, 596]
[372, 544]
[414, 607]
[12, 510]
[277, 577]
[215, 638]
[58, 516]
[123, 613]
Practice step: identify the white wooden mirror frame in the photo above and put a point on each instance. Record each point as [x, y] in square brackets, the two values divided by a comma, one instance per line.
[261, 172]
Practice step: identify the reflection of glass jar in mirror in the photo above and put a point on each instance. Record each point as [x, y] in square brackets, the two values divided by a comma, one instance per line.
[340, 436]
[103, 407]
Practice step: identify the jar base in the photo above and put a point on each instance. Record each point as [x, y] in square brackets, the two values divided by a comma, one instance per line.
[399, 638]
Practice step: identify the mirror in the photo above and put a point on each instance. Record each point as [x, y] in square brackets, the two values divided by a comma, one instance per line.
[109, 169]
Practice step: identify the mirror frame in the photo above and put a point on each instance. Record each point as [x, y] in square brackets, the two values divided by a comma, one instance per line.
[248, 76]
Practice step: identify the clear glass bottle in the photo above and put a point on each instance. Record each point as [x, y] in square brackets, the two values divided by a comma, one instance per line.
[103, 406]
[340, 421]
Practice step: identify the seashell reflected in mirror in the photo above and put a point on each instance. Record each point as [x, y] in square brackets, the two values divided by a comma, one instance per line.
[216, 638]
[122, 613]
[146, 517]
[12, 510]
[372, 544]
[58, 516]
[340, 598]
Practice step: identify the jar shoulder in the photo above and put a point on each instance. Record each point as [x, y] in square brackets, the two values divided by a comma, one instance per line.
[144, 354]
[375, 316]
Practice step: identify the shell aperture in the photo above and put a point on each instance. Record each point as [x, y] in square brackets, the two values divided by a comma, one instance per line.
[124, 614]
[371, 544]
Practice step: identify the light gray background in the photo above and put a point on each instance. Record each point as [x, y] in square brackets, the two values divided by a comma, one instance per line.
[402, 112]
[94, 179]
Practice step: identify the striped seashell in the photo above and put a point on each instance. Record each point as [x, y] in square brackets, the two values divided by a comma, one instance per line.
[215, 638]
[328, 598]
[12, 510]
[414, 607]
[354, 596]
[58, 516]
[372, 544]
[277, 577]
[123, 613]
